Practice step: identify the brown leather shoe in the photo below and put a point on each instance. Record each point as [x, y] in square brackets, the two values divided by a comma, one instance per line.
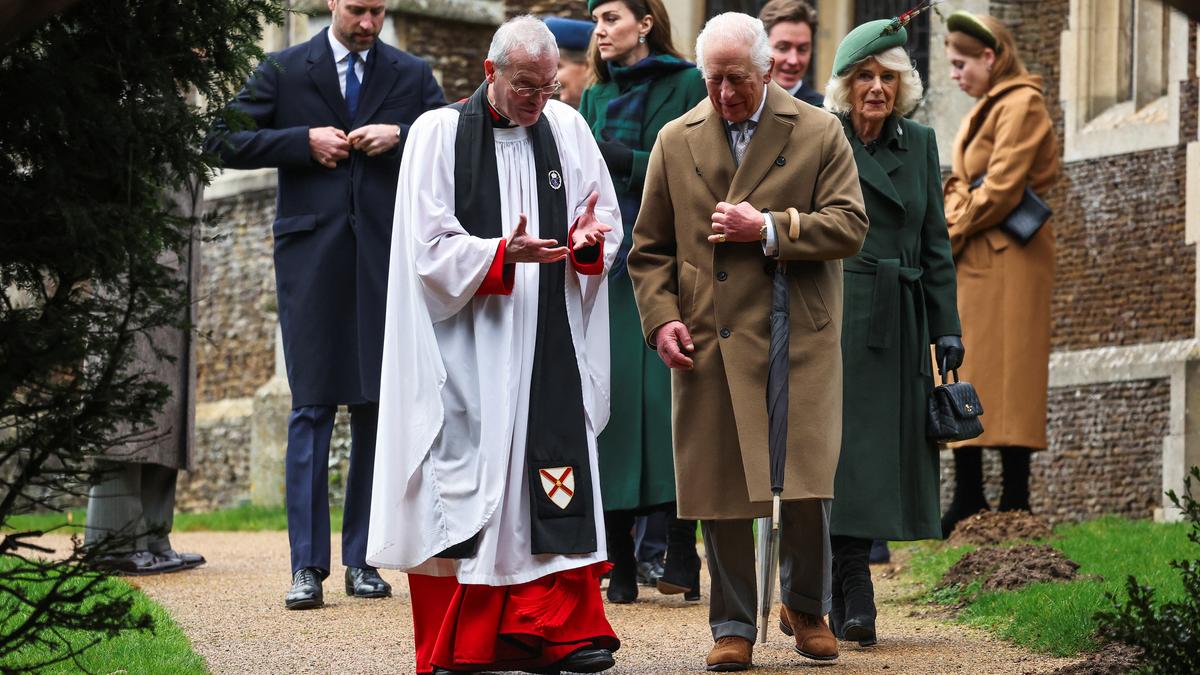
[814, 640]
[730, 653]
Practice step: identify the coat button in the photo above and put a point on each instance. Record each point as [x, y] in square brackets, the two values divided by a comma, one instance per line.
[725, 332]
[721, 276]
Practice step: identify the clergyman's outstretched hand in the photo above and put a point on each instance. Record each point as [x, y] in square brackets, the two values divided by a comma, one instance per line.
[587, 231]
[522, 248]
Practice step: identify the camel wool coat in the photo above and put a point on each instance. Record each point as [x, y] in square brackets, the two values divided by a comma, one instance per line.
[798, 157]
[1003, 287]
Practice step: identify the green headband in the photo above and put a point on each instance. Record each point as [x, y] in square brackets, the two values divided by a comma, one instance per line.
[963, 21]
[869, 39]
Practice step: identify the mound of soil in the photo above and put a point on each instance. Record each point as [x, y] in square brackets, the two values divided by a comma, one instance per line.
[994, 527]
[1116, 658]
[1011, 568]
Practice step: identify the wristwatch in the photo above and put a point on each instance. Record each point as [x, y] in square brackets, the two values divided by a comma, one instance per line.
[399, 132]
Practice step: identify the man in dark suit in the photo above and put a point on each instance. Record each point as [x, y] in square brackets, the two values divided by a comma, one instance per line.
[331, 115]
[790, 26]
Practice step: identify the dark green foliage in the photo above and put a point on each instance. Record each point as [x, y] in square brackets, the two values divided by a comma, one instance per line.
[1167, 631]
[104, 110]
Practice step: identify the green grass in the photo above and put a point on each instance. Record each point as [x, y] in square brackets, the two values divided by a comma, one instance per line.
[1057, 618]
[238, 519]
[165, 650]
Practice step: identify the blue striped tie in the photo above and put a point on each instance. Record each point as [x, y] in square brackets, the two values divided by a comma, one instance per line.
[352, 86]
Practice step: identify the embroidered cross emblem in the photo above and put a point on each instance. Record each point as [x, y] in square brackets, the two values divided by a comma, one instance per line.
[559, 485]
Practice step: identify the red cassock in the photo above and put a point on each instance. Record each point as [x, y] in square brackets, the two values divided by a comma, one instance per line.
[523, 627]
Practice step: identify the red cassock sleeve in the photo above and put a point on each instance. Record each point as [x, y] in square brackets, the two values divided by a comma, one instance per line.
[589, 260]
[499, 278]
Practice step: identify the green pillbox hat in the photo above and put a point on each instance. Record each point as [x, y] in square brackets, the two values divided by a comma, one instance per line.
[963, 21]
[866, 40]
[593, 4]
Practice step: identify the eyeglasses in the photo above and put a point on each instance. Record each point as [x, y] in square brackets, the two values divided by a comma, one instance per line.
[528, 92]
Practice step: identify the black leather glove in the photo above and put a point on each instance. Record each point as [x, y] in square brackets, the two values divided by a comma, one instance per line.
[619, 158]
[950, 352]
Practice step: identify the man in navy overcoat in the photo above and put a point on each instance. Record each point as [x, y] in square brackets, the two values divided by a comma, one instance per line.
[331, 115]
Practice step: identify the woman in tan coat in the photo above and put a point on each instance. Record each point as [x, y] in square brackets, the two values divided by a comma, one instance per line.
[1003, 286]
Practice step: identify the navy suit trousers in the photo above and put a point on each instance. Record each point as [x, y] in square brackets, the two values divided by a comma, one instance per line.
[310, 429]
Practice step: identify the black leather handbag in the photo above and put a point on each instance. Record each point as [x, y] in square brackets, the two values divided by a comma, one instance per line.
[1027, 218]
[954, 411]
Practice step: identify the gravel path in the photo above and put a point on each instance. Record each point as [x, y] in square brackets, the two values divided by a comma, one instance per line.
[232, 609]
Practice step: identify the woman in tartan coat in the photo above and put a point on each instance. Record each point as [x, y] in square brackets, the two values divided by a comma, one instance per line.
[640, 83]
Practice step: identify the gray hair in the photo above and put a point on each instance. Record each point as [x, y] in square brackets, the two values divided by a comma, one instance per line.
[524, 33]
[908, 94]
[736, 28]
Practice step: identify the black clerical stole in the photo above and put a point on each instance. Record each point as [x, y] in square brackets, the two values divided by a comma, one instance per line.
[558, 469]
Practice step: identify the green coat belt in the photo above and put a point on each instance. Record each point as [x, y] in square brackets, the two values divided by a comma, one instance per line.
[890, 312]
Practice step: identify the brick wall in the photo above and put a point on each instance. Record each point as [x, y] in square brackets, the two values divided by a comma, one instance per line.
[236, 312]
[455, 50]
[1119, 238]
[1104, 455]
[574, 9]
[221, 478]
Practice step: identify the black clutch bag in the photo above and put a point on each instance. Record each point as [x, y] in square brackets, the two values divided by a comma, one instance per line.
[954, 411]
[1025, 220]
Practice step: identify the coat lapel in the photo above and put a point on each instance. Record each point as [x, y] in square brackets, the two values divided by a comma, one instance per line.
[323, 72]
[379, 77]
[710, 149]
[658, 97]
[874, 174]
[767, 145]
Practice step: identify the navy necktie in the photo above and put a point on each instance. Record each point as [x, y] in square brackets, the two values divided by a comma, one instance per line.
[352, 85]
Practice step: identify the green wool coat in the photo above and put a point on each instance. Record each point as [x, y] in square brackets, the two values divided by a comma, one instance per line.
[636, 467]
[899, 296]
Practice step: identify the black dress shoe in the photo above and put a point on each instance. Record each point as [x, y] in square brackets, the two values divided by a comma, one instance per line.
[186, 560]
[365, 582]
[306, 590]
[649, 572]
[137, 564]
[585, 660]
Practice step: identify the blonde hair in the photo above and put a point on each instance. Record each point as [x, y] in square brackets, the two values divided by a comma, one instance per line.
[908, 94]
[1007, 64]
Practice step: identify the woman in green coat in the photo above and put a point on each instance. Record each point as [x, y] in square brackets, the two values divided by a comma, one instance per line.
[900, 297]
[640, 83]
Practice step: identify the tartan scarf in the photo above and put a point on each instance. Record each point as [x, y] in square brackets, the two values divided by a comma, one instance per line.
[623, 122]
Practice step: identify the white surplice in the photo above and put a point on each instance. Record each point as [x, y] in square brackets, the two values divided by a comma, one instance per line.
[452, 465]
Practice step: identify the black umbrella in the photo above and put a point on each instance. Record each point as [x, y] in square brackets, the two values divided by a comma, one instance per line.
[777, 420]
